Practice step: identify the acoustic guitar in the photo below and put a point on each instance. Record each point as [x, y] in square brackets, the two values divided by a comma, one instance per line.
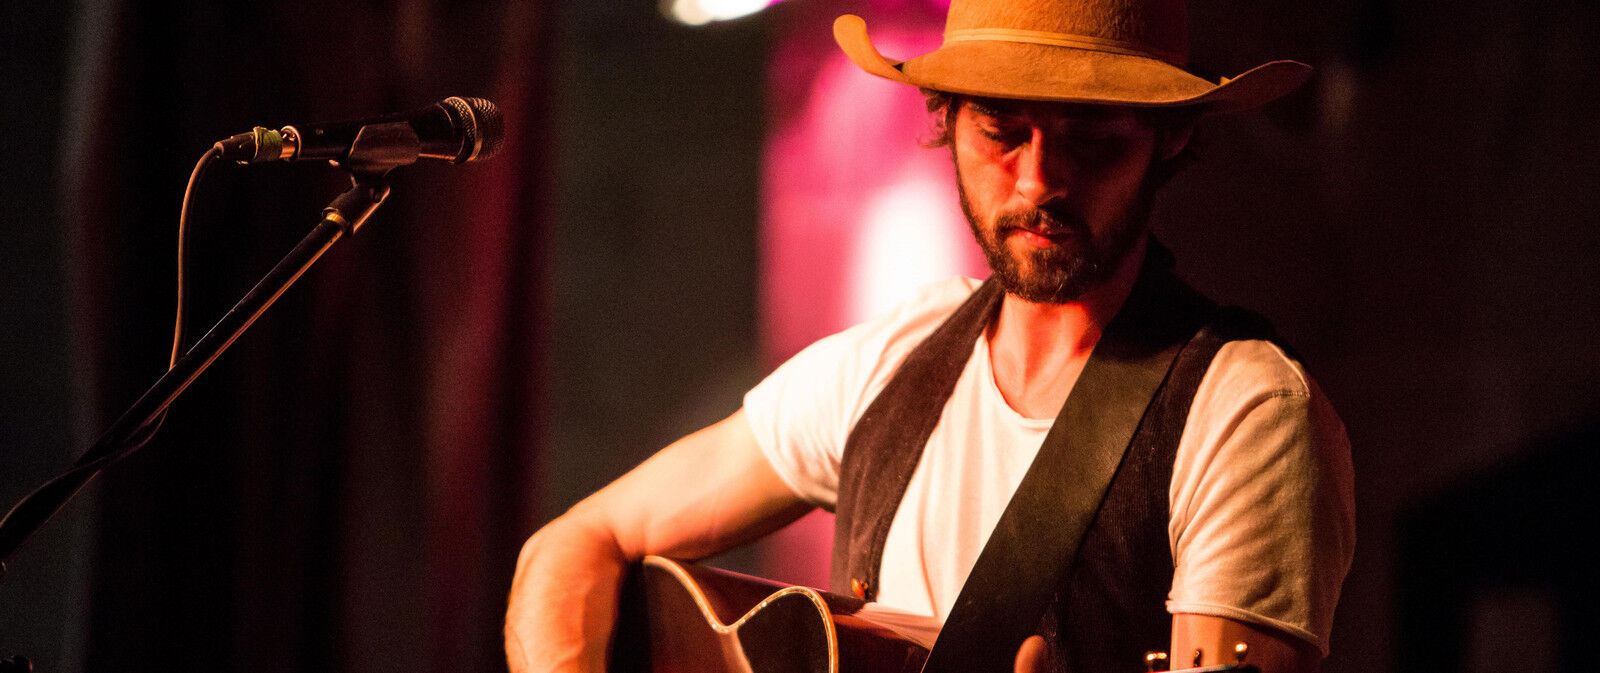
[685, 618]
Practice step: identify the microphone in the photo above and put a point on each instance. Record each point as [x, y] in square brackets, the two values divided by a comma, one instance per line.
[455, 129]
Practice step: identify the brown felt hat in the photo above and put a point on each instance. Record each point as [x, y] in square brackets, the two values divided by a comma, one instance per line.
[1113, 52]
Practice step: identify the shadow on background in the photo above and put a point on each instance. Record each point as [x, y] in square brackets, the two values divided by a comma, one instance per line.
[1497, 574]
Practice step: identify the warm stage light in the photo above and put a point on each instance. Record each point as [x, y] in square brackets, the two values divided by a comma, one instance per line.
[909, 238]
[701, 12]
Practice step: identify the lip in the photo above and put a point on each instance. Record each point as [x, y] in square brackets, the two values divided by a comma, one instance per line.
[1040, 239]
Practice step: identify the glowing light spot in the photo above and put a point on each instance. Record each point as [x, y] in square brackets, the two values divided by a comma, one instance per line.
[701, 12]
[908, 239]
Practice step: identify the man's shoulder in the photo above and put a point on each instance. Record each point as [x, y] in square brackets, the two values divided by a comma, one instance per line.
[1258, 367]
[938, 298]
[908, 322]
[857, 361]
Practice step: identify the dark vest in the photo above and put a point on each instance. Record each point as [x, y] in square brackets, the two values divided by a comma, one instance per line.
[1110, 607]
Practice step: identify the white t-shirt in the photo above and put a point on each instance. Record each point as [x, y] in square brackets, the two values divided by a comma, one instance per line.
[1262, 514]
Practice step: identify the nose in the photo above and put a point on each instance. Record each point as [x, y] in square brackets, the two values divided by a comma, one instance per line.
[1041, 175]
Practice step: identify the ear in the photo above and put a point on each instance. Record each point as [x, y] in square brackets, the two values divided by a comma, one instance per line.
[1173, 142]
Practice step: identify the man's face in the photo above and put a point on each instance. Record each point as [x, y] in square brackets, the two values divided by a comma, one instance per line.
[1056, 194]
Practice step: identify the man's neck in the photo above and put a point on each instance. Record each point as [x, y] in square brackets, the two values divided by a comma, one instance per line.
[1038, 350]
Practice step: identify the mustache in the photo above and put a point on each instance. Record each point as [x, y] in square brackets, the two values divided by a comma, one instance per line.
[1047, 221]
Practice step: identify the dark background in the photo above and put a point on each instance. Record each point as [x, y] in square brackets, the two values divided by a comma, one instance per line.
[347, 488]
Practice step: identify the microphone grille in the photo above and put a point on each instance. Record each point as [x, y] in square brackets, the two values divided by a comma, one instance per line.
[483, 125]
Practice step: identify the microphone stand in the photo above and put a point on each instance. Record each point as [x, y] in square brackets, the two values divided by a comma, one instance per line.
[377, 149]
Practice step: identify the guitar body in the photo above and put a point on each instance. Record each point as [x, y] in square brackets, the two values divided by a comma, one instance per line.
[684, 618]
[681, 618]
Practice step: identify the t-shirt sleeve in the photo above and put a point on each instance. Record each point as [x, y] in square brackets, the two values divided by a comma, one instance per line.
[1263, 514]
[802, 413]
[799, 414]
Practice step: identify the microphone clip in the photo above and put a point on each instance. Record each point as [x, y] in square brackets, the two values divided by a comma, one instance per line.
[377, 149]
[380, 148]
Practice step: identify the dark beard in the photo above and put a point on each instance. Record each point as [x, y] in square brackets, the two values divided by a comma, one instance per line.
[1064, 272]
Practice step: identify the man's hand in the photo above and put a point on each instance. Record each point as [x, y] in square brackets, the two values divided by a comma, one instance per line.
[1031, 656]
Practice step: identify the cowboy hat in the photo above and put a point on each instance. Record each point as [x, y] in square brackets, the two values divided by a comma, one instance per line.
[1115, 52]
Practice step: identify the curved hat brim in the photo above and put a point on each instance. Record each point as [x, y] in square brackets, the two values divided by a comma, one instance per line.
[1000, 69]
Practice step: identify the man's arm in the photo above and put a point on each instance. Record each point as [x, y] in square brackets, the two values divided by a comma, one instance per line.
[1215, 637]
[703, 494]
[1269, 651]
[1263, 515]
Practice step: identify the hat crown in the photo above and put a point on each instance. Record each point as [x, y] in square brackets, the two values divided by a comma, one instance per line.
[1157, 27]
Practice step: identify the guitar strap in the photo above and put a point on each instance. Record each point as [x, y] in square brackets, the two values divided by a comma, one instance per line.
[1035, 543]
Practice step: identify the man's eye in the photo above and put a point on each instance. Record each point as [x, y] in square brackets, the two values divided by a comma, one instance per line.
[1096, 149]
[1009, 136]
[1092, 139]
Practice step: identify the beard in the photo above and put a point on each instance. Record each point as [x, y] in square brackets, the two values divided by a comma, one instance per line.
[1063, 272]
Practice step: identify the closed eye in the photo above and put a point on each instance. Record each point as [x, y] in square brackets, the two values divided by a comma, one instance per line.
[1009, 136]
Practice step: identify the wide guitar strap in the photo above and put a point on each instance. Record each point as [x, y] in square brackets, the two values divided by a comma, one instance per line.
[1036, 541]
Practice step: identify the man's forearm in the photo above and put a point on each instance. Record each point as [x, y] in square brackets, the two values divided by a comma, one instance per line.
[564, 599]
[703, 494]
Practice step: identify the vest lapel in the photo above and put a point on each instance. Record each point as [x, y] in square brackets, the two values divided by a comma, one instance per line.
[886, 443]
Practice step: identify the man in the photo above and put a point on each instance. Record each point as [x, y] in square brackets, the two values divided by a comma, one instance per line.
[1229, 518]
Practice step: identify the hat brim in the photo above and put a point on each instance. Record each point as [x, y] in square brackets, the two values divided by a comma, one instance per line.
[1028, 71]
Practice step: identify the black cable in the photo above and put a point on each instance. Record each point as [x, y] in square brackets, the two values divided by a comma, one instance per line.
[90, 464]
[184, 231]
[185, 234]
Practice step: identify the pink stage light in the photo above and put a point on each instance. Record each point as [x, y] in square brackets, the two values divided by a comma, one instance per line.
[908, 237]
[856, 213]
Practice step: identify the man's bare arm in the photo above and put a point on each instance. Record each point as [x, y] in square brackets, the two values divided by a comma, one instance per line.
[703, 494]
[1270, 651]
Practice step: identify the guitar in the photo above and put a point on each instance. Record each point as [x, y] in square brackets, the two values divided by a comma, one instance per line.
[684, 618]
